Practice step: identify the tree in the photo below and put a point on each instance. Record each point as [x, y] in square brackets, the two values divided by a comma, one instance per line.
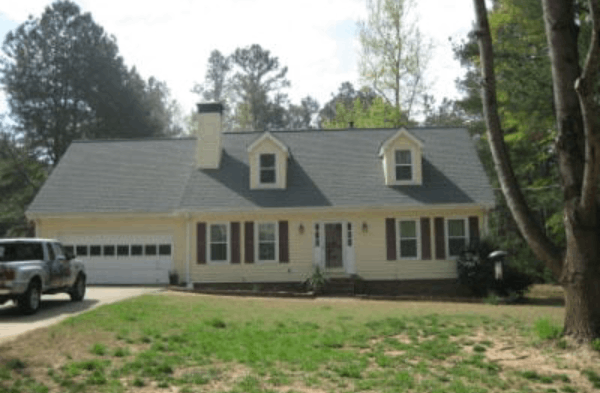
[258, 85]
[300, 117]
[577, 268]
[346, 97]
[65, 80]
[215, 87]
[394, 53]
[21, 176]
[380, 114]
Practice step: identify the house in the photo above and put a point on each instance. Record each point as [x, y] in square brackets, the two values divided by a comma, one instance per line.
[242, 209]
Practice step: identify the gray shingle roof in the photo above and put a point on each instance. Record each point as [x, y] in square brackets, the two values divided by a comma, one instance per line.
[326, 168]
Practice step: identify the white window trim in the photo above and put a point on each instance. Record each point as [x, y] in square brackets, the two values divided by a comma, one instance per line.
[275, 184]
[418, 233]
[257, 242]
[412, 166]
[208, 244]
[447, 234]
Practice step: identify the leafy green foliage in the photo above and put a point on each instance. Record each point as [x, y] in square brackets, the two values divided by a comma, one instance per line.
[65, 80]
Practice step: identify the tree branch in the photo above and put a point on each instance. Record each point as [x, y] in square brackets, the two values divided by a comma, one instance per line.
[531, 231]
[589, 109]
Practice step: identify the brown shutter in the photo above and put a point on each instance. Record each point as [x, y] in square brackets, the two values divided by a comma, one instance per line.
[284, 254]
[440, 241]
[473, 230]
[201, 242]
[235, 242]
[425, 238]
[390, 236]
[249, 242]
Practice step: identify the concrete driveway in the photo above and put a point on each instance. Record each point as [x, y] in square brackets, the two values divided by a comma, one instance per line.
[55, 308]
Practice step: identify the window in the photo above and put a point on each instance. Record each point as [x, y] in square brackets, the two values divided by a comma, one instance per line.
[59, 250]
[457, 236]
[136, 250]
[164, 249]
[317, 240]
[95, 251]
[408, 235]
[150, 249]
[81, 250]
[108, 250]
[267, 168]
[349, 234]
[69, 249]
[218, 236]
[267, 241]
[403, 165]
[51, 255]
[122, 250]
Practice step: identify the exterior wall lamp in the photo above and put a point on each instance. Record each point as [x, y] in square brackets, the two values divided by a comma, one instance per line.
[301, 229]
[365, 227]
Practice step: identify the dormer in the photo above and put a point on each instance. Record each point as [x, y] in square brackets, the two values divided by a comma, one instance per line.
[268, 158]
[402, 159]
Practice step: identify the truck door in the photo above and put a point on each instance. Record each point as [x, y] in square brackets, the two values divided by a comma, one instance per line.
[54, 278]
[64, 265]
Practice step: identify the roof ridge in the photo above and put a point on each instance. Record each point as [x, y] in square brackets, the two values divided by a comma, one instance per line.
[166, 139]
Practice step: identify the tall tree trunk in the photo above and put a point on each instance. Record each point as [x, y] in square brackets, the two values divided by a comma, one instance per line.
[578, 148]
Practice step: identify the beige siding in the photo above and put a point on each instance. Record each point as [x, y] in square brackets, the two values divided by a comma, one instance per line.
[369, 244]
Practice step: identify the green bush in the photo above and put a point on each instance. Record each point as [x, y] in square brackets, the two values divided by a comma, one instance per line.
[477, 273]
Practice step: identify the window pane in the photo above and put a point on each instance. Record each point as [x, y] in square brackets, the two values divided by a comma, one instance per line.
[408, 248]
[456, 228]
[164, 249]
[218, 252]
[218, 233]
[266, 232]
[81, 250]
[408, 229]
[150, 249]
[108, 250]
[403, 157]
[403, 172]
[136, 250]
[59, 249]
[95, 251]
[69, 249]
[267, 160]
[456, 246]
[123, 250]
[50, 252]
[267, 176]
[266, 251]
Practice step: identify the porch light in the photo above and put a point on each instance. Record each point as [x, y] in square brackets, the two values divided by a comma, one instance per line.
[365, 227]
[301, 229]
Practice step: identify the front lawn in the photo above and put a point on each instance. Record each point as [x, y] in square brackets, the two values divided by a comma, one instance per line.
[194, 343]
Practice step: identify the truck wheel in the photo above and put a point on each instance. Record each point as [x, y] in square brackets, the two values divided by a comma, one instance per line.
[30, 301]
[78, 291]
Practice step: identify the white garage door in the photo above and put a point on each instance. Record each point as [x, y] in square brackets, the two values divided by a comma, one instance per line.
[123, 259]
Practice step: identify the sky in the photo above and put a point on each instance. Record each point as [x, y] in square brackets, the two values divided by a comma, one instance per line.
[316, 39]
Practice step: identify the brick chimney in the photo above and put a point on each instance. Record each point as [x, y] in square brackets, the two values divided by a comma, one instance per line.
[208, 134]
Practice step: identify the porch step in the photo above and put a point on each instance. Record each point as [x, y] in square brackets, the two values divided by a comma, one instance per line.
[339, 287]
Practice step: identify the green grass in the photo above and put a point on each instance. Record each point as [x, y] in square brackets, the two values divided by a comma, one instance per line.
[229, 345]
[547, 330]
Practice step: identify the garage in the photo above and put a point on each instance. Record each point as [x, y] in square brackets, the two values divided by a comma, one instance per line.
[123, 258]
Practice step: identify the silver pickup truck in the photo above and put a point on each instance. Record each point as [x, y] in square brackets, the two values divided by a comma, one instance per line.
[32, 267]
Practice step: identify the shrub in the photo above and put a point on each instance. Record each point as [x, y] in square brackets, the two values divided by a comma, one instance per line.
[173, 277]
[317, 281]
[477, 273]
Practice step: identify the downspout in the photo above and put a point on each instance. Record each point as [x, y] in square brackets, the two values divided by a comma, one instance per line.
[188, 253]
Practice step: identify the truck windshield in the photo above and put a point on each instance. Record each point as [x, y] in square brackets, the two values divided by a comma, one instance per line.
[20, 251]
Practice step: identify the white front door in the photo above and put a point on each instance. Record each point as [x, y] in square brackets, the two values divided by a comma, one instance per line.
[334, 246]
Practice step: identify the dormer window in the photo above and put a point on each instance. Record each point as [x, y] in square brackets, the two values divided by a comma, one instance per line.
[404, 165]
[267, 169]
[268, 159]
[402, 159]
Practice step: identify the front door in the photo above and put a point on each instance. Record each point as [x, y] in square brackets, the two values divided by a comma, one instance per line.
[334, 256]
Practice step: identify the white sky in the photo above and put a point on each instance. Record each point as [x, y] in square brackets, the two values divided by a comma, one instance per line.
[316, 39]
